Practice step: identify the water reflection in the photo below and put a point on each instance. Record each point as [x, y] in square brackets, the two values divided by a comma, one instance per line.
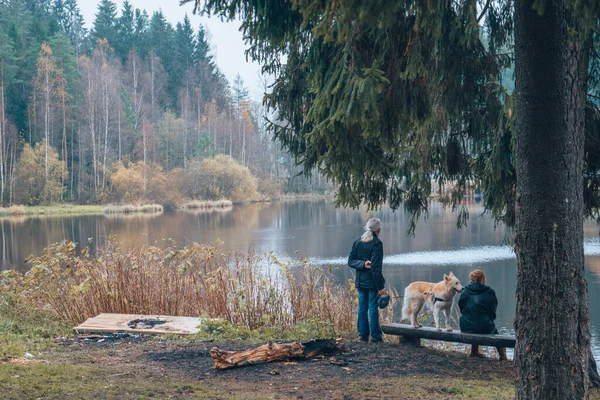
[319, 230]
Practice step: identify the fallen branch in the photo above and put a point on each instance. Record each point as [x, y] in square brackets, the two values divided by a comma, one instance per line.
[270, 352]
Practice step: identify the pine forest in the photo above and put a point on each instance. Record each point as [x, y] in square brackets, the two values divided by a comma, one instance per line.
[133, 110]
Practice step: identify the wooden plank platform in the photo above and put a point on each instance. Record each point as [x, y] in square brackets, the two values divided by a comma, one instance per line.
[112, 323]
[408, 331]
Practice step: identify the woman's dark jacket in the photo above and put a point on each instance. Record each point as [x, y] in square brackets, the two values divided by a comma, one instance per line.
[478, 306]
[368, 278]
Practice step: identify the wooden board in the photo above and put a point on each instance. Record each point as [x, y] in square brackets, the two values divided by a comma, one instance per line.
[118, 323]
[454, 336]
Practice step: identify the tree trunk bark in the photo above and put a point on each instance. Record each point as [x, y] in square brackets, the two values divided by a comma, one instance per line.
[552, 321]
[47, 119]
[119, 114]
[106, 123]
[64, 142]
[2, 139]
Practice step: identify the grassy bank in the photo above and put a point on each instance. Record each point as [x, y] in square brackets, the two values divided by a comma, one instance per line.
[117, 380]
[75, 209]
[176, 369]
[61, 365]
[57, 209]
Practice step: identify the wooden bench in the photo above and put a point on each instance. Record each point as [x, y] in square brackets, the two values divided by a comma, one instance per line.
[414, 336]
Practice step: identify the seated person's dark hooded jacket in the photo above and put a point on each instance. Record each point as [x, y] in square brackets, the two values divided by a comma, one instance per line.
[478, 306]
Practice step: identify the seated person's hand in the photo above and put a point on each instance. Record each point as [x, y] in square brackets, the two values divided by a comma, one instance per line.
[368, 264]
[382, 292]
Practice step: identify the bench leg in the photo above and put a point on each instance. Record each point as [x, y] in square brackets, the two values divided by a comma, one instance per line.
[413, 341]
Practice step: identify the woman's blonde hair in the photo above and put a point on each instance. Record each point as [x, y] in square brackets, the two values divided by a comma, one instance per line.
[373, 225]
[477, 276]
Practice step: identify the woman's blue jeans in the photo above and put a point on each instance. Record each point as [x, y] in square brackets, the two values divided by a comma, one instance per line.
[368, 310]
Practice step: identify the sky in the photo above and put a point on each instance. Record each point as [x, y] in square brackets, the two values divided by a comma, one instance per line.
[225, 38]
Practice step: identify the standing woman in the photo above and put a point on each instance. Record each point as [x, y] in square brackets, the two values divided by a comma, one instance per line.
[366, 258]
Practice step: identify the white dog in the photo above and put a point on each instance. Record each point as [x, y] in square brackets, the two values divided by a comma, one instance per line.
[438, 296]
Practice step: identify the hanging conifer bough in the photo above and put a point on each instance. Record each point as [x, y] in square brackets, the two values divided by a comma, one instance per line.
[384, 96]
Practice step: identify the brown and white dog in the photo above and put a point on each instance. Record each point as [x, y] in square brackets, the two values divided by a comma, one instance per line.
[438, 296]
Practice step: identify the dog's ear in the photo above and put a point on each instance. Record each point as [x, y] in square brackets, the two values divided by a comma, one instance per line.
[446, 277]
[451, 274]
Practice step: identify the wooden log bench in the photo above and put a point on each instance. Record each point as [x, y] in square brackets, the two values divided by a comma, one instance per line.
[408, 334]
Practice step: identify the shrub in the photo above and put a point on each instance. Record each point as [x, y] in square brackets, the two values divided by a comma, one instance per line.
[138, 183]
[220, 177]
[128, 183]
[33, 186]
[271, 188]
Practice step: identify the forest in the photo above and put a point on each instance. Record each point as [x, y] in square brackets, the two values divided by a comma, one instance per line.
[133, 109]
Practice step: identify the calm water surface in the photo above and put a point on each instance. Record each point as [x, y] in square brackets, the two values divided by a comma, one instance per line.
[319, 230]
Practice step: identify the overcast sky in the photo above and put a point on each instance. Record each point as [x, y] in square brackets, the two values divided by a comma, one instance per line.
[228, 46]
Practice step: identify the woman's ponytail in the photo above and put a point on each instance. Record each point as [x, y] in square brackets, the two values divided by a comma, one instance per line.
[373, 225]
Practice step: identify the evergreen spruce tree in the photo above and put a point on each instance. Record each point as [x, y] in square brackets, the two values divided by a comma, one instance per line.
[141, 35]
[72, 24]
[212, 82]
[105, 24]
[386, 96]
[162, 40]
[185, 42]
[126, 29]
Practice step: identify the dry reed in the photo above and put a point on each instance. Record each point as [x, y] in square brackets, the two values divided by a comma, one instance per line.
[206, 204]
[129, 209]
[13, 210]
[247, 290]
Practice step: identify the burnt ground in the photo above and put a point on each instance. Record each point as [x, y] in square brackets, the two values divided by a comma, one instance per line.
[176, 368]
[361, 370]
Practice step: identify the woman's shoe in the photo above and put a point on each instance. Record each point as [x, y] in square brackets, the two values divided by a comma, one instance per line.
[364, 338]
[502, 353]
[475, 351]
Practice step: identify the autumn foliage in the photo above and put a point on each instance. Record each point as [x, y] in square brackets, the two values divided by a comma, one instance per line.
[220, 177]
[34, 188]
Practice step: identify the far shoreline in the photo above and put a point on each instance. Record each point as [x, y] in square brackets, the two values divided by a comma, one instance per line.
[112, 210]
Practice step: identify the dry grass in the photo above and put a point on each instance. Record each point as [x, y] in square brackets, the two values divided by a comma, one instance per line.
[50, 210]
[130, 209]
[206, 204]
[247, 290]
[13, 210]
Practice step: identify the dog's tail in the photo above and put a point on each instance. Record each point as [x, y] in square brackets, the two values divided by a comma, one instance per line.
[406, 307]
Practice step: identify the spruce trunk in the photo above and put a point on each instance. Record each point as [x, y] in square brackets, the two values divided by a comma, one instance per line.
[552, 321]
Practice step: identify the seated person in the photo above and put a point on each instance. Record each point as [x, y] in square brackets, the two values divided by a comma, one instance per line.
[478, 305]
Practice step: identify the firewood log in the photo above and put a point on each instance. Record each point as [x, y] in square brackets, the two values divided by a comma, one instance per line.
[270, 352]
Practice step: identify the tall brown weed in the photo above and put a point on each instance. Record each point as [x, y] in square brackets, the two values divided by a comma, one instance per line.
[246, 289]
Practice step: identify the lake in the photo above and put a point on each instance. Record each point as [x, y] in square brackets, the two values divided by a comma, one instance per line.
[320, 231]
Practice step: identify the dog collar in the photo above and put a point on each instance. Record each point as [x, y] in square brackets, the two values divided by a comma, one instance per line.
[436, 299]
